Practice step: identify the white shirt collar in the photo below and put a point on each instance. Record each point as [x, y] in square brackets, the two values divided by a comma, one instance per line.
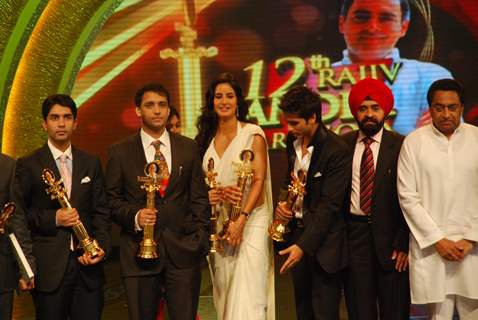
[57, 153]
[376, 137]
[147, 139]
[394, 55]
[298, 147]
[437, 132]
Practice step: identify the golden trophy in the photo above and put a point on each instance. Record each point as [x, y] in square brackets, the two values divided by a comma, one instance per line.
[7, 211]
[296, 188]
[57, 191]
[244, 173]
[212, 184]
[148, 248]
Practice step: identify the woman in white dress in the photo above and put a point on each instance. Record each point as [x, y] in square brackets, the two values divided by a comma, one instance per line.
[243, 274]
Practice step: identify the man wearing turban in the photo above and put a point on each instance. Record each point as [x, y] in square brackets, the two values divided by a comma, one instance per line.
[377, 232]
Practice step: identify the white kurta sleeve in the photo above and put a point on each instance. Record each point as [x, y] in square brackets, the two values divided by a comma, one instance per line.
[471, 233]
[421, 224]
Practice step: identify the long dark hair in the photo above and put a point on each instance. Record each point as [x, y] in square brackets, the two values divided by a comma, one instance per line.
[207, 122]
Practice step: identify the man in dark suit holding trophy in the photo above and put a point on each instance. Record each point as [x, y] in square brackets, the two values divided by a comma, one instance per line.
[316, 251]
[178, 222]
[68, 280]
[8, 272]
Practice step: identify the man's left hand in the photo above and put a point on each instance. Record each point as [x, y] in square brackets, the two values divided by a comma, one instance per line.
[401, 260]
[295, 254]
[87, 260]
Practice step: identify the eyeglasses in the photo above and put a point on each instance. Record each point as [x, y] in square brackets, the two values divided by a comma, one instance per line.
[441, 108]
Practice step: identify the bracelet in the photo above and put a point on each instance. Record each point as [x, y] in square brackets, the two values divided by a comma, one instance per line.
[246, 214]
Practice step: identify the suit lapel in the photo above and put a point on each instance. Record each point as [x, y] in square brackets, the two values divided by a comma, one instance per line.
[316, 141]
[291, 154]
[351, 139]
[48, 162]
[383, 158]
[75, 176]
[137, 151]
[176, 166]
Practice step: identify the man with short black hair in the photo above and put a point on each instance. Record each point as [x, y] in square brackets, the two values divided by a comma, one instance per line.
[180, 217]
[68, 282]
[316, 251]
[438, 188]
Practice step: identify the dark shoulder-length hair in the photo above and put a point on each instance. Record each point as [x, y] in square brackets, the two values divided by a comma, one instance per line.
[207, 122]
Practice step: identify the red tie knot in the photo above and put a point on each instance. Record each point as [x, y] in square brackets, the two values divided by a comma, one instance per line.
[367, 141]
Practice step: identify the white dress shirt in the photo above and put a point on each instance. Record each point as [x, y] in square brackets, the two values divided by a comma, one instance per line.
[359, 149]
[302, 162]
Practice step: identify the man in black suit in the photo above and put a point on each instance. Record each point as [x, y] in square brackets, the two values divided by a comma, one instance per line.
[180, 217]
[317, 242]
[68, 282]
[377, 232]
[8, 274]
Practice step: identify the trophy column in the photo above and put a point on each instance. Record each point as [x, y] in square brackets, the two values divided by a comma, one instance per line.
[56, 190]
[148, 248]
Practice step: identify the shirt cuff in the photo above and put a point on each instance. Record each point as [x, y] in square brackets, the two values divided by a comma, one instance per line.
[136, 223]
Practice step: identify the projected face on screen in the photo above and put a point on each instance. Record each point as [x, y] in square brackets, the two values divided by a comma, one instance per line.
[372, 28]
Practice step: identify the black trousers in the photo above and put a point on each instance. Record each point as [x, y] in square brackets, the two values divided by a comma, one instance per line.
[179, 287]
[73, 300]
[317, 293]
[370, 291]
[6, 305]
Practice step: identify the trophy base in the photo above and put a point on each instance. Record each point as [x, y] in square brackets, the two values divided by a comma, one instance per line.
[148, 249]
[91, 247]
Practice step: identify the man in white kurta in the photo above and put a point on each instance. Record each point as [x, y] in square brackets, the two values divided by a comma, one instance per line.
[438, 191]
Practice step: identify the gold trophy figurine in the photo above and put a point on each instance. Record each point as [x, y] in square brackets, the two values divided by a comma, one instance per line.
[244, 172]
[148, 248]
[7, 211]
[296, 188]
[57, 191]
[212, 184]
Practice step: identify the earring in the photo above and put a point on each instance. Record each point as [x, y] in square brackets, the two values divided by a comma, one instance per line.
[237, 112]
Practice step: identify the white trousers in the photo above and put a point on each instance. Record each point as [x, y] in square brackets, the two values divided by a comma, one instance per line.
[467, 308]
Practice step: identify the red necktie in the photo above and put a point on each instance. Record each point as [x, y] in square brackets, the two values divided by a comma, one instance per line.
[367, 177]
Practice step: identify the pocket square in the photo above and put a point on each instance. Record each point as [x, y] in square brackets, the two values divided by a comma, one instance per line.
[85, 180]
[317, 174]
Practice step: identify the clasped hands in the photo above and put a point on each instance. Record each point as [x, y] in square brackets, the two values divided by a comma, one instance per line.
[453, 250]
[233, 195]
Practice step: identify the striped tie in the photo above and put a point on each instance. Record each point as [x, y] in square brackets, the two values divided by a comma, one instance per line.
[159, 157]
[367, 177]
